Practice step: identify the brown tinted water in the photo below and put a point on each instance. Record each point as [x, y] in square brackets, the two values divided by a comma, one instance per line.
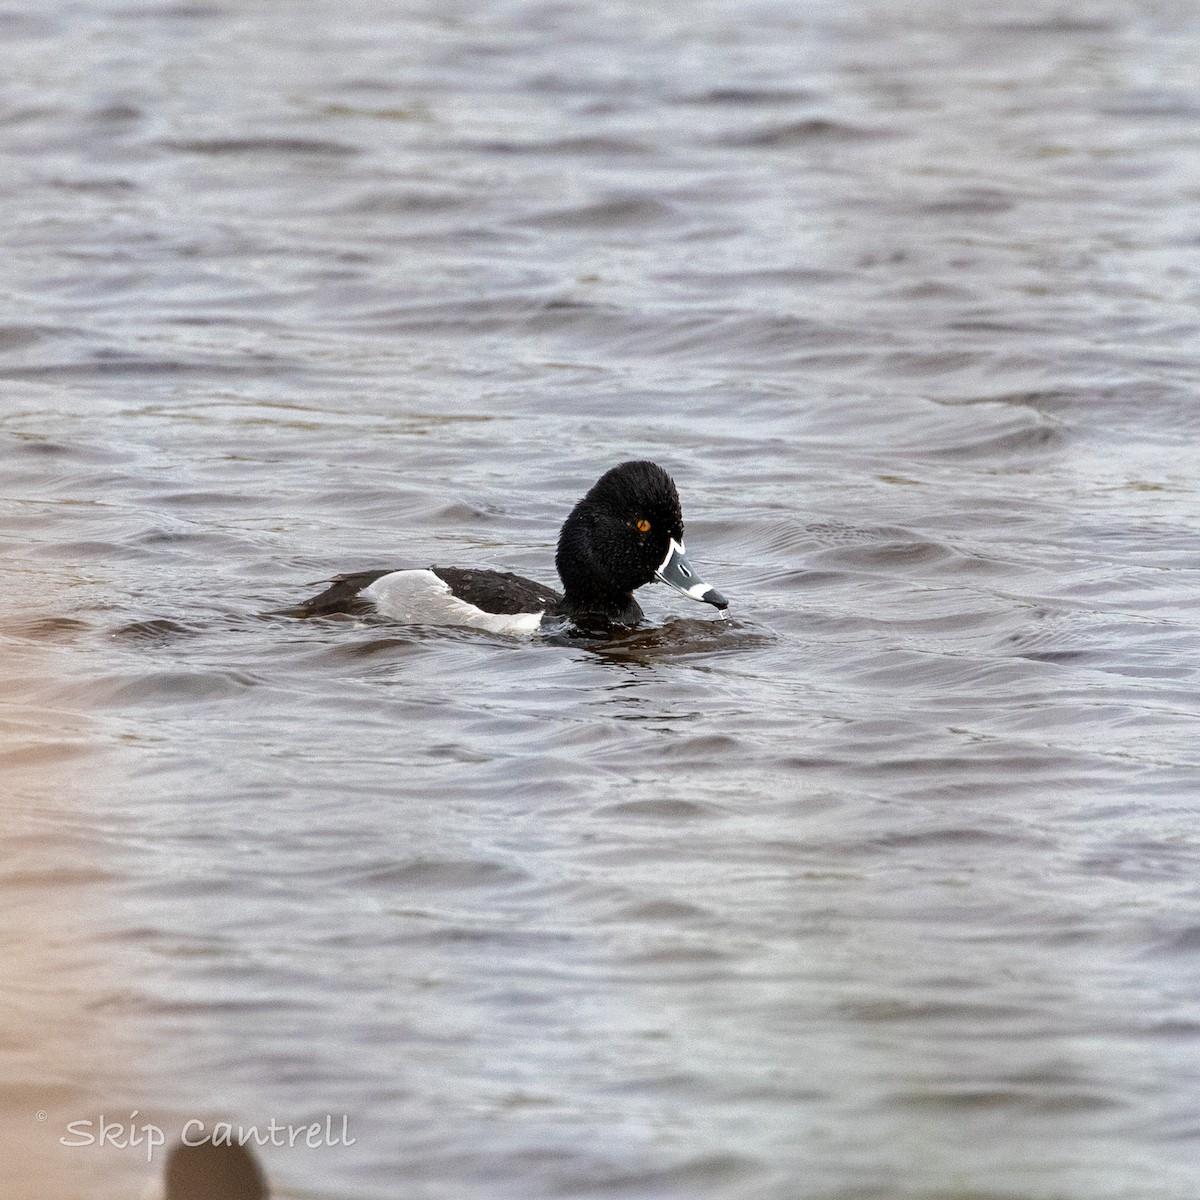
[886, 886]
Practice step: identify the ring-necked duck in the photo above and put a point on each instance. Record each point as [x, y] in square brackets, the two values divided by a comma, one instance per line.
[626, 532]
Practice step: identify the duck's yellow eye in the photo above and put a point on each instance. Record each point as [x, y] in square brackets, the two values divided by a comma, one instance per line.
[643, 525]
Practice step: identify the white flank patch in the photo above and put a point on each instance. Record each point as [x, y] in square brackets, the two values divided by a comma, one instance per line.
[421, 598]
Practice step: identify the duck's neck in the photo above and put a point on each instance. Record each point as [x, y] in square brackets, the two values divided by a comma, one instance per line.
[599, 612]
[593, 593]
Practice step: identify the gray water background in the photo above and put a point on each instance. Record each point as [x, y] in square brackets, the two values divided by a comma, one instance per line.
[883, 889]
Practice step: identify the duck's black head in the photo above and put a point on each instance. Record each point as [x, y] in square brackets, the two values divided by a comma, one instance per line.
[627, 531]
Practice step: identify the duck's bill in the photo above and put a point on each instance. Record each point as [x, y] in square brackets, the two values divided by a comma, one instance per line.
[681, 575]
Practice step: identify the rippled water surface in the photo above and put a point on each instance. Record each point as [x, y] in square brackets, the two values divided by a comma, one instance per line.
[884, 888]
